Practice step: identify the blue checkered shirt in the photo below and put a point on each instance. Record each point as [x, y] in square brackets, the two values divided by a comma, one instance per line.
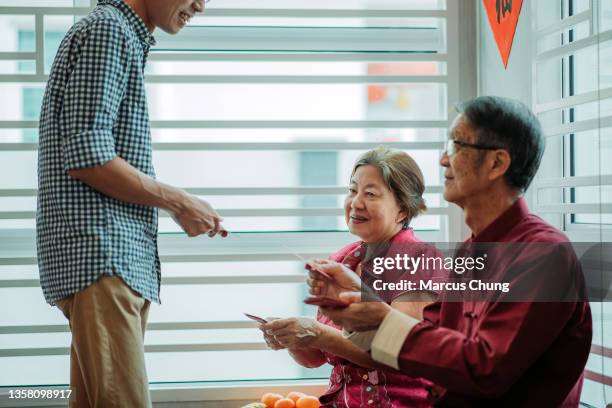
[94, 110]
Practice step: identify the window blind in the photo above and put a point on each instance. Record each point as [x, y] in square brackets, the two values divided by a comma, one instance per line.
[262, 112]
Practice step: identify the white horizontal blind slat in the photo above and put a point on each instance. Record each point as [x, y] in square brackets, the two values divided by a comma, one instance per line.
[572, 101]
[155, 326]
[249, 12]
[231, 191]
[389, 56]
[575, 46]
[564, 24]
[577, 127]
[262, 124]
[576, 208]
[580, 181]
[295, 146]
[259, 79]
[242, 212]
[17, 56]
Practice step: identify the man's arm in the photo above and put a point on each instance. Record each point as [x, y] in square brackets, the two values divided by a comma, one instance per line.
[510, 337]
[356, 351]
[121, 181]
[92, 98]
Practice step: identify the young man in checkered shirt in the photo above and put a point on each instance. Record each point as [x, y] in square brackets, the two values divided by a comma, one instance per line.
[98, 198]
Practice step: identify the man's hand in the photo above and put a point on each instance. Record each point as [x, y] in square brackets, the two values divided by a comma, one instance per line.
[120, 180]
[339, 278]
[358, 316]
[196, 216]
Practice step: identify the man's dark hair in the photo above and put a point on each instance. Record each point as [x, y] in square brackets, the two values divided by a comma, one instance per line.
[508, 124]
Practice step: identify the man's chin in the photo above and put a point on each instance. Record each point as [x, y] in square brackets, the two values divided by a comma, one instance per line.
[172, 30]
[450, 196]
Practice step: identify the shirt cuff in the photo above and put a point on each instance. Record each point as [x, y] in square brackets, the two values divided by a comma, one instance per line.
[363, 340]
[88, 149]
[390, 337]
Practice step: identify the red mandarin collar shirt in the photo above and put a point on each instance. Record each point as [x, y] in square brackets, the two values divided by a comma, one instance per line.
[498, 354]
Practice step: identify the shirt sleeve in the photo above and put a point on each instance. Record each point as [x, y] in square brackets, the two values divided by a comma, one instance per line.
[390, 337]
[511, 338]
[96, 85]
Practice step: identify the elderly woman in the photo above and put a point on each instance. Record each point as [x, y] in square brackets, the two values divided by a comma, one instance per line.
[385, 193]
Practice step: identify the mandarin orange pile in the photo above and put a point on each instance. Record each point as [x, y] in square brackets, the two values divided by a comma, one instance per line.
[293, 400]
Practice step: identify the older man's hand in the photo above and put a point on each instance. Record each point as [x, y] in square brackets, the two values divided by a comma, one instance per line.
[329, 278]
[358, 316]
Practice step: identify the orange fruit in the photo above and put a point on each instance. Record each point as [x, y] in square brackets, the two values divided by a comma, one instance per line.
[295, 395]
[284, 403]
[270, 399]
[308, 402]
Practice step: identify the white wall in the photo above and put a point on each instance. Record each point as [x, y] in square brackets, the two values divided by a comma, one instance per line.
[515, 81]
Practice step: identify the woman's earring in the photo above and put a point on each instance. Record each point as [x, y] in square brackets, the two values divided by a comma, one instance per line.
[406, 225]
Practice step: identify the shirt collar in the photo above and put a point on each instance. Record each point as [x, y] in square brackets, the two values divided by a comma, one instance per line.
[503, 224]
[404, 235]
[134, 19]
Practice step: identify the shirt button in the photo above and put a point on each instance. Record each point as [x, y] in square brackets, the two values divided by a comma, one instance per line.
[368, 389]
[357, 253]
[370, 402]
[365, 377]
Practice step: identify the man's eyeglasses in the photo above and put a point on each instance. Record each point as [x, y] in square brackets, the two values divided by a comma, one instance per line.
[451, 146]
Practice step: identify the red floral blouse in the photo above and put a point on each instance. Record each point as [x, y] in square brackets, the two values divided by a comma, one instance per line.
[351, 385]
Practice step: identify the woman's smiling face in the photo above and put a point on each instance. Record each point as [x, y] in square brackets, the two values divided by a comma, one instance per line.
[370, 207]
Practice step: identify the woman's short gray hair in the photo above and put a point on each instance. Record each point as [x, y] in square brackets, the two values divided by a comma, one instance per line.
[401, 175]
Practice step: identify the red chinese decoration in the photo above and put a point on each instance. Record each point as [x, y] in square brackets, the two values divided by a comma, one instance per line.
[503, 17]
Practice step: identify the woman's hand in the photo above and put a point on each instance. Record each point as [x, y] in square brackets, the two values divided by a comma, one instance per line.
[269, 338]
[292, 333]
[271, 341]
[334, 279]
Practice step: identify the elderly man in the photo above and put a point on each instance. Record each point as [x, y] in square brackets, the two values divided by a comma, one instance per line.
[98, 198]
[490, 353]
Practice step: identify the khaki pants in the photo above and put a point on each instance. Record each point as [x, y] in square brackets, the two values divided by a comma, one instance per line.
[107, 365]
